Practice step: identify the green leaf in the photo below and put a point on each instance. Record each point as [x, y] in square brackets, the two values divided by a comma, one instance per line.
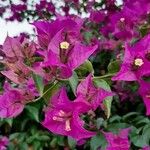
[23, 146]
[108, 101]
[114, 127]
[98, 141]
[37, 145]
[73, 81]
[144, 29]
[99, 122]
[31, 139]
[107, 106]
[39, 83]
[143, 121]
[137, 139]
[71, 142]
[88, 36]
[11, 146]
[145, 134]
[61, 140]
[102, 83]
[53, 143]
[113, 66]
[14, 135]
[43, 138]
[32, 112]
[115, 118]
[50, 90]
[85, 68]
[130, 115]
[9, 121]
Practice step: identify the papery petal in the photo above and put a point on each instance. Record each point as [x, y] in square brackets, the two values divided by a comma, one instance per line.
[79, 54]
[12, 47]
[125, 74]
[11, 104]
[144, 91]
[55, 121]
[119, 141]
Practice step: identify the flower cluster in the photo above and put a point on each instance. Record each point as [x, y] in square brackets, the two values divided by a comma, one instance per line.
[59, 51]
[66, 74]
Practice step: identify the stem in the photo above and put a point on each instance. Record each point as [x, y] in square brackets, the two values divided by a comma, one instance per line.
[105, 76]
[56, 82]
[60, 79]
[97, 77]
[100, 77]
[66, 80]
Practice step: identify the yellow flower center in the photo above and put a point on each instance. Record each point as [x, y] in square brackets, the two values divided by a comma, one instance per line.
[64, 45]
[138, 62]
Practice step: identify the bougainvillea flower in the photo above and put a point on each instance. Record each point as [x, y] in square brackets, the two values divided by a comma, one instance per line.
[49, 6]
[136, 61]
[17, 72]
[106, 44]
[97, 16]
[17, 56]
[62, 40]
[30, 85]
[120, 25]
[124, 93]
[12, 48]
[91, 93]
[17, 48]
[134, 7]
[123, 24]
[3, 143]
[13, 100]
[144, 91]
[11, 103]
[62, 116]
[67, 58]
[118, 142]
[47, 30]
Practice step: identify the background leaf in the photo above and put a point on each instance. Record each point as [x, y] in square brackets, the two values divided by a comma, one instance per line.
[108, 101]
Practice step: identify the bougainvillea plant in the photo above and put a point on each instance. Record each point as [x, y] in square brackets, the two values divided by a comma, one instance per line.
[82, 82]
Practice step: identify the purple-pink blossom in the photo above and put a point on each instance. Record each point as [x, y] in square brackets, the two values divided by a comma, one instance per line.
[62, 116]
[92, 94]
[4, 141]
[136, 61]
[144, 91]
[118, 141]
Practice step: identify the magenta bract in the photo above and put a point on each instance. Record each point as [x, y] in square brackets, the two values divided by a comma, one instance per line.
[63, 116]
[118, 141]
[136, 61]
[91, 94]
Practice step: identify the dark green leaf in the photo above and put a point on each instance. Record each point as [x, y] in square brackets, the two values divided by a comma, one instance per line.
[98, 141]
[99, 122]
[113, 66]
[32, 112]
[50, 90]
[108, 101]
[39, 83]
[71, 142]
[73, 81]
[85, 68]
